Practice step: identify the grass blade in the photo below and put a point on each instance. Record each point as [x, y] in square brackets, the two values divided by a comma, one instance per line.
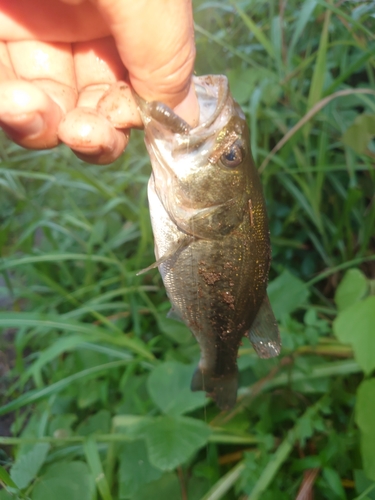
[55, 257]
[283, 451]
[226, 46]
[304, 17]
[36, 395]
[225, 483]
[318, 77]
[318, 106]
[93, 460]
[17, 320]
[255, 30]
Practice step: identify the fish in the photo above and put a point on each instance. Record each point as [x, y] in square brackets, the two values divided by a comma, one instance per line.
[210, 226]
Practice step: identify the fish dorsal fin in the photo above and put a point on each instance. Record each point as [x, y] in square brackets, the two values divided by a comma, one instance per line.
[181, 243]
[264, 332]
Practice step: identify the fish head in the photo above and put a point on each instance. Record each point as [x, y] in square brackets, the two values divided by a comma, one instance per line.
[203, 172]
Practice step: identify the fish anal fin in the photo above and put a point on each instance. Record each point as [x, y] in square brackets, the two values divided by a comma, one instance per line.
[264, 332]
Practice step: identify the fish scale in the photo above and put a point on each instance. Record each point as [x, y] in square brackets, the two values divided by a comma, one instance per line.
[211, 232]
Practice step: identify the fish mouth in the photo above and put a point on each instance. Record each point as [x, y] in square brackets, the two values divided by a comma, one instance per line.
[212, 93]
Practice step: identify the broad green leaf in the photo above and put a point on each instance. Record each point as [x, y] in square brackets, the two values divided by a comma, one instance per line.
[65, 481]
[365, 406]
[27, 466]
[171, 441]
[243, 83]
[286, 294]
[5, 495]
[334, 482]
[99, 423]
[197, 487]
[351, 289]
[135, 469]
[363, 485]
[165, 488]
[169, 387]
[61, 425]
[365, 411]
[6, 479]
[175, 330]
[359, 134]
[356, 326]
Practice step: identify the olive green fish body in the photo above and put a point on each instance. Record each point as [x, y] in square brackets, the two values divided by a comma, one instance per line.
[211, 233]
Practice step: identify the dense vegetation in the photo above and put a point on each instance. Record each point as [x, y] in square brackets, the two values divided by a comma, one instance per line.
[95, 379]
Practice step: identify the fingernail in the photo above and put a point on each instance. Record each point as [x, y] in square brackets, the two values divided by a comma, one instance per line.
[25, 125]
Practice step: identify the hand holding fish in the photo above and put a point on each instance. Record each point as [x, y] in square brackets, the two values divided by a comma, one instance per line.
[69, 71]
[64, 64]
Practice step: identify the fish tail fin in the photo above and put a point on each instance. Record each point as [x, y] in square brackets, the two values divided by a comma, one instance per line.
[221, 388]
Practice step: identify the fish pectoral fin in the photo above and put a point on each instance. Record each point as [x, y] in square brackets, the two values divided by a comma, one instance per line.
[180, 245]
[264, 332]
[217, 221]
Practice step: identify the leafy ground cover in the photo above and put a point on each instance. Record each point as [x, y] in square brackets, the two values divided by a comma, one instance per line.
[95, 379]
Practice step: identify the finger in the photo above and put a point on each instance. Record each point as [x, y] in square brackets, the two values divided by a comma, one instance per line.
[28, 116]
[119, 107]
[50, 66]
[92, 137]
[6, 68]
[50, 21]
[99, 77]
[155, 40]
[98, 68]
[72, 2]
[30, 112]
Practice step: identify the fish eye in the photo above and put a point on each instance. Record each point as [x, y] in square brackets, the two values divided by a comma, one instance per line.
[233, 156]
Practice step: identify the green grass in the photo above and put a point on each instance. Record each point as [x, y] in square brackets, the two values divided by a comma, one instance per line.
[97, 391]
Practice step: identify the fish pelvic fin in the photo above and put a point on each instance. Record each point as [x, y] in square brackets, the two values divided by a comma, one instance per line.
[175, 315]
[221, 388]
[264, 332]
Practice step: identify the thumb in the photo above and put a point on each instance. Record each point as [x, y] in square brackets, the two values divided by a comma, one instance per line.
[155, 40]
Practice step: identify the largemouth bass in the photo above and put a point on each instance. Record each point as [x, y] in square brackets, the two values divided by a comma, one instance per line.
[211, 232]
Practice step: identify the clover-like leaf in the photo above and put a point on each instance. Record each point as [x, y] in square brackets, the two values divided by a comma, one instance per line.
[356, 326]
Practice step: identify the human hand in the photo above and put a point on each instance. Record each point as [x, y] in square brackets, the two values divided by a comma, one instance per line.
[63, 64]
